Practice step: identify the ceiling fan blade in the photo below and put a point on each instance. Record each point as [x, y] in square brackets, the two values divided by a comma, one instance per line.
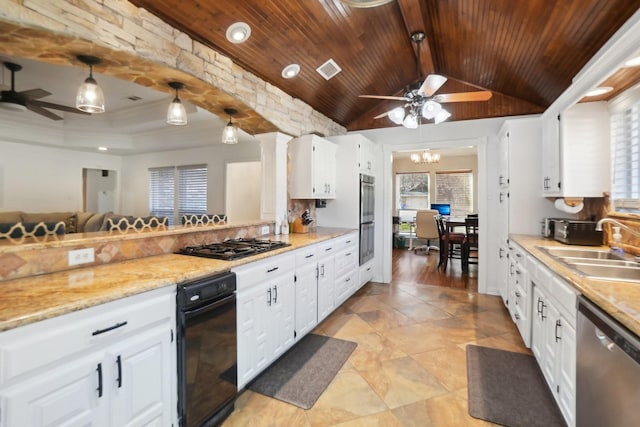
[379, 116]
[42, 111]
[58, 107]
[484, 95]
[33, 93]
[393, 98]
[431, 84]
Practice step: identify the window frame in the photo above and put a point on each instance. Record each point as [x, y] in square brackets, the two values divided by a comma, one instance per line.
[181, 204]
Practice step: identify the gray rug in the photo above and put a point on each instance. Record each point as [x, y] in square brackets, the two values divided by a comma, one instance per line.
[301, 374]
[508, 388]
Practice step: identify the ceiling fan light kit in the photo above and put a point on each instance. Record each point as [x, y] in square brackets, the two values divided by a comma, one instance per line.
[230, 132]
[176, 114]
[90, 98]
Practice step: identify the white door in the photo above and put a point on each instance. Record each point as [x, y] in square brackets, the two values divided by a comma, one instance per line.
[306, 291]
[243, 189]
[253, 331]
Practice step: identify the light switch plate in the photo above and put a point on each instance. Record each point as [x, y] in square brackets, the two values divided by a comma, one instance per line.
[81, 256]
[265, 230]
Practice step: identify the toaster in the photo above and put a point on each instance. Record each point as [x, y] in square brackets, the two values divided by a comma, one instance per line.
[574, 232]
[547, 226]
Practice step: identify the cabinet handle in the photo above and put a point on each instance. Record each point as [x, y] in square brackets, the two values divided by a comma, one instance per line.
[517, 316]
[269, 301]
[518, 271]
[511, 269]
[110, 328]
[275, 294]
[271, 270]
[518, 294]
[99, 389]
[309, 256]
[327, 249]
[348, 254]
[348, 279]
[119, 363]
[558, 324]
[348, 241]
[322, 270]
[501, 252]
[519, 255]
[542, 311]
[501, 196]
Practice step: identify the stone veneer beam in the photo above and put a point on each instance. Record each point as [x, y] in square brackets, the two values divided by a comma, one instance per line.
[139, 47]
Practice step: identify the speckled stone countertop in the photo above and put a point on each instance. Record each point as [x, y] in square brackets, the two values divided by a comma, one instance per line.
[621, 300]
[36, 298]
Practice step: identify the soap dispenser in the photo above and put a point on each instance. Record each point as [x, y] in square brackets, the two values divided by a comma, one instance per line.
[616, 245]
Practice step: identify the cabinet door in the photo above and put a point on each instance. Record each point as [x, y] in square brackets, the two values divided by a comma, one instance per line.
[324, 169]
[69, 395]
[253, 329]
[326, 287]
[551, 348]
[503, 273]
[538, 337]
[566, 375]
[366, 157]
[551, 156]
[282, 314]
[140, 380]
[306, 291]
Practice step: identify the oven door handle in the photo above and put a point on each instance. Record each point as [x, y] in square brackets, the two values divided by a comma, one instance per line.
[209, 307]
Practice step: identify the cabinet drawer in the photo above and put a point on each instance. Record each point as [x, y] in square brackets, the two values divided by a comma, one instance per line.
[327, 248]
[345, 261]
[54, 340]
[347, 241]
[565, 295]
[257, 272]
[306, 255]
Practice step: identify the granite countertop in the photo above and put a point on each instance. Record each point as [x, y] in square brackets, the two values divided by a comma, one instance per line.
[621, 300]
[36, 298]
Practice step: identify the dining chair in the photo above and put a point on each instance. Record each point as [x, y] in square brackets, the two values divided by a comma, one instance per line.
[449, 243]
[426, 229]
[470, 243]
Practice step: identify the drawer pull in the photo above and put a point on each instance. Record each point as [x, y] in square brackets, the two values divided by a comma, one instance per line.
[348, 241]
[275, 294]
[271, 270]
[348, 279]
[348, 254]
[309, 256]
[518, 294]
[327, 249]
[110, 328]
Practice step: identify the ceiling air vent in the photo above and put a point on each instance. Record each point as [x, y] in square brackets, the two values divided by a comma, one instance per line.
[328, 69]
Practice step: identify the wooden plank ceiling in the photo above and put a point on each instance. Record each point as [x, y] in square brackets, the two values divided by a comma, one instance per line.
[525, 52]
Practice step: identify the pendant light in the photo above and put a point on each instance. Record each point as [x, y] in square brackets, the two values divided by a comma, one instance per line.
[230, 132]
[90, 98]
[176, 114]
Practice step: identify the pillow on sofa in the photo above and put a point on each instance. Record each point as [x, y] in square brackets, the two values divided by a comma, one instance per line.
[119, 222]
[94, 223]
[31, 229]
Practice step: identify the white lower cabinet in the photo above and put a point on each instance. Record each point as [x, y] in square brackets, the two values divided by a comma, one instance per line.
[326, 280]
[554, 337]
[110, 365]
[519, 289]
[265, 313]
[306, 280]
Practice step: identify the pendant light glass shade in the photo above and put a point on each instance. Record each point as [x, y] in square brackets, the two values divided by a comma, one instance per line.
[441, 116]
[411, 121]
[176, 114]
[90, 98]
[396, 115]
[430, 109]
[230, 132]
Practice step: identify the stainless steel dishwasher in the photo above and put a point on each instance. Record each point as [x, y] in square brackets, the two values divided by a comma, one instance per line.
[607, 370]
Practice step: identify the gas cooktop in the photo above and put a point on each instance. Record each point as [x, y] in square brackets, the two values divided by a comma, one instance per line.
[233, 248]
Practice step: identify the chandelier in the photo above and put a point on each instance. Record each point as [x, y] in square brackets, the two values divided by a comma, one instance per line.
[425, 157]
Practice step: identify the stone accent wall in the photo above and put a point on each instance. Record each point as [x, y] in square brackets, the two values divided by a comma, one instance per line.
[141, 48]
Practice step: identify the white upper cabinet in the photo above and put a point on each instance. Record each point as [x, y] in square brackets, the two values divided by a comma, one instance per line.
[366, 156]
[313, 168]
[576, 147]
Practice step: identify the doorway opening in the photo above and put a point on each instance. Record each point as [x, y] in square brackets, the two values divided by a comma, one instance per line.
[99, 190]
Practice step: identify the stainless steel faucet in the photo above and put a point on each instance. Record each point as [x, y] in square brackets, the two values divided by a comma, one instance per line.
[619, 224]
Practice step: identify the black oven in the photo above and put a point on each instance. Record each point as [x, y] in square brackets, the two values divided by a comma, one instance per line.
[207, 350]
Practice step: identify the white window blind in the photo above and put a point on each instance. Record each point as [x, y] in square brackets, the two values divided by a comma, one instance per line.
[455, 188]
[178, 190]
[625, 140]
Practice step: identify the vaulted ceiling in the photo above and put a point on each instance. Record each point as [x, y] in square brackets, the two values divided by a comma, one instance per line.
[525, 52]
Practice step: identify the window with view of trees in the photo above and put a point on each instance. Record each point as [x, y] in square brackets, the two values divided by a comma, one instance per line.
[455, 188]
[178, 190]
[412, 190]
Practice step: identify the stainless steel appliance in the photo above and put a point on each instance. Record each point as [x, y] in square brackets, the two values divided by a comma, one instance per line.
[207, 350]
[547, 226]
[233, 248]
[367, 216]
[607, 370]
[574, 232]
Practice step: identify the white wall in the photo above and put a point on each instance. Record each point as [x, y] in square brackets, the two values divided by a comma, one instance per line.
[135, 176]
[45, 179]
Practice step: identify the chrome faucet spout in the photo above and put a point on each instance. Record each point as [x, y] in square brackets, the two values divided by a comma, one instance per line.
[617, 223]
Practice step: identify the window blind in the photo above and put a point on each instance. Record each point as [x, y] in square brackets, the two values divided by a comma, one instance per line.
[625, 140]
[455, 188]
[178, 190]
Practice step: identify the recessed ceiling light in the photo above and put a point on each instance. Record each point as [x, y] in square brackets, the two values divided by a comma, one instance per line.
[290, 71]
[633, 62]
[102, 148]
[599, 91]
[238, 32]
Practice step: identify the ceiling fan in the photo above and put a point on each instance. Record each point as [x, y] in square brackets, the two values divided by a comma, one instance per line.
[420, 99]
[28, 99]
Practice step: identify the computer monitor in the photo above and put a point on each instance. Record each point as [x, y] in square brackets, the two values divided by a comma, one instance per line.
[442, 208]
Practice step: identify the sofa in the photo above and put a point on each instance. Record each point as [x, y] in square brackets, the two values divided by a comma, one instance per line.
[18, 223]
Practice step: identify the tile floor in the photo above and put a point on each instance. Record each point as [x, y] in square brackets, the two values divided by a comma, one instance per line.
[409, 368]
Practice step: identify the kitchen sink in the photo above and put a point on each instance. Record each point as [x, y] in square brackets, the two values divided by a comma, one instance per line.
[607, 272]
[596, 263]
[580, 253]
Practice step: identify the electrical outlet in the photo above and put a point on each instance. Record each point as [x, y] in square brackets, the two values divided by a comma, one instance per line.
[265, 229]
[81, 256]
